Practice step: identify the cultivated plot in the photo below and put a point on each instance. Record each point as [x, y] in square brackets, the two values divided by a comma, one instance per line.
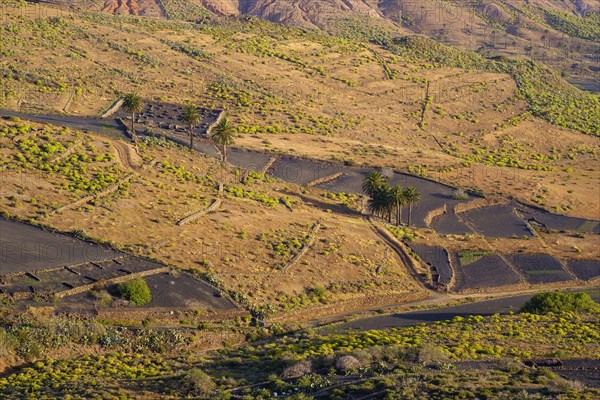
[558, 222]
[26, 248]
[437, 259]
[184, 291]
[482, 270]
[539, 268]
[585, 269]
[497, 221]
[450, 224]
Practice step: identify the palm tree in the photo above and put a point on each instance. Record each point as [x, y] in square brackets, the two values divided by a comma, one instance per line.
[377, 202]
[223, 135]
[381, 203]
[373, 182]
[412, 197]
[398, 198]
[191, 116]
[133, 103]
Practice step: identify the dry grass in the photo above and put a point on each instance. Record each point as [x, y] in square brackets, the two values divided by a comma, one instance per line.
[327, 91]
[230, 242]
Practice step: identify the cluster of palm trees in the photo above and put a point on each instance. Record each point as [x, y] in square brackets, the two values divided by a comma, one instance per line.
[223, 134]
[385, 200]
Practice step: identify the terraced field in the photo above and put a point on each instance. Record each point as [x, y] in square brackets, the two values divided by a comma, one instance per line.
[437, 259]
[487, 271]
[539, 268]
[49, 264]
[585, 269]
[26, 248]
[497, 221]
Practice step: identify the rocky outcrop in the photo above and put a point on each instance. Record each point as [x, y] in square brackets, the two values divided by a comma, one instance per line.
[307, 13]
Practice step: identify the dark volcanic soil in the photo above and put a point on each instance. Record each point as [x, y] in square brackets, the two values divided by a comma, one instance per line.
[26, 248]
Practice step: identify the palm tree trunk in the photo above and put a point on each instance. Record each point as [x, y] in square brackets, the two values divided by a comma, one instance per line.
[133, 136]
[409, 214]
[397, 214]
[191, 138]
[224, 154]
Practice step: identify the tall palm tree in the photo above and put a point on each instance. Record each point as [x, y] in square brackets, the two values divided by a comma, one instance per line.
[412, 197]
[398, 197]
[373, 182]
[133, 103]
[191, 117]
[223, 135]
[381, 203]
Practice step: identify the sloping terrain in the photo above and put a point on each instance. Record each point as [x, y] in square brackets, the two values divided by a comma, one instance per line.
[327, 97]
[227, 246]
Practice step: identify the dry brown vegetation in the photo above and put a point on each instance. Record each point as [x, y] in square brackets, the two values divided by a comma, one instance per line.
[236, 251]
[310, 94]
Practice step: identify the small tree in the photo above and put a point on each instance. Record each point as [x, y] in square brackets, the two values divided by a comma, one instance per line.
[200, 381]
[134, 104]
[297, 370]
[135, 291]
[191, 117]
[556, 302]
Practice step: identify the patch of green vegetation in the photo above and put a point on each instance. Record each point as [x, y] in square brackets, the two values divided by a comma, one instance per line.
[188, 49]
[283, 243]
[587, 27]
[469, 257]
[558, 302]
[242, 193]
[182, 175]
[421, 361]
[548, 96]
[545, 272]
[136, 291]
[402, 233]
[185, 10]
[44, 150]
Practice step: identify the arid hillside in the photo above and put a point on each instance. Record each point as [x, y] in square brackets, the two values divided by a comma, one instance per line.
[497, 125]
[562, 34]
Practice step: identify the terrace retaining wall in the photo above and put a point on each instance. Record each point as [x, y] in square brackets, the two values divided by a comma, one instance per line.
[120, 279]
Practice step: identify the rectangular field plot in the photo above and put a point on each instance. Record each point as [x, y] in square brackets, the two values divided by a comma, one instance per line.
[539, 268]
[486, 271]
[438, 261]
[585, 269]
[43, 282]
[184, 291]
[26, 248]
[449, 224]
[497, 221]
[558, 222]
[59, 279]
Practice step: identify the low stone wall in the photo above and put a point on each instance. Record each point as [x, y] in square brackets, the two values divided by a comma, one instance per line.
[435, 213]
[312, 237]
[324, 179]
[120, 279]
[216, 204]
[478, 203]
[113, 108]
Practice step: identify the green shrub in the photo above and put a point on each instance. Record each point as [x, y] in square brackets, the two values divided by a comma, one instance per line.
[543, 303]
[135, 291]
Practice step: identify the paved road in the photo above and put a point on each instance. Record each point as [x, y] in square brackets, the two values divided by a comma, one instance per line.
[488, 307]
